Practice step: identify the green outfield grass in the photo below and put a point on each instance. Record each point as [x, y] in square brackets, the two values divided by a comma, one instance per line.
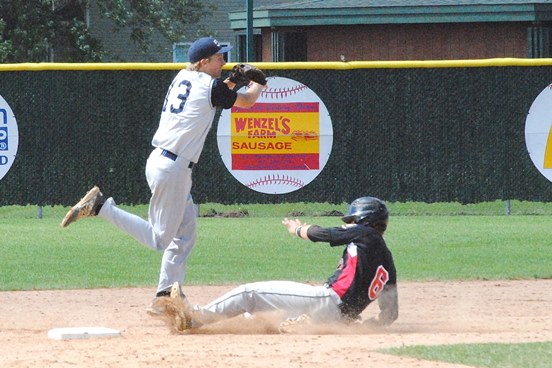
[429, 242]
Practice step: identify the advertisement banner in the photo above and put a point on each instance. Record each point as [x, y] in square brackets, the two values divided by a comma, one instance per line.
[9, 137]
[280, 144]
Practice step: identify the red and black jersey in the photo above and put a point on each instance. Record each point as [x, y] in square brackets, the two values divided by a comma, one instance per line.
[366, 266]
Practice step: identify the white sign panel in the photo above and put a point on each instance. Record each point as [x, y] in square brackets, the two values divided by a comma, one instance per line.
[538, 132]
[9, 137]
[280, 144]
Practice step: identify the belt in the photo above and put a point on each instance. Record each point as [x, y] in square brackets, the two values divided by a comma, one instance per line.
[174, 156]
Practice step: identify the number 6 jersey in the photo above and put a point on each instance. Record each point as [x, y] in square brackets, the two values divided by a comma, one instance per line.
[365, 271]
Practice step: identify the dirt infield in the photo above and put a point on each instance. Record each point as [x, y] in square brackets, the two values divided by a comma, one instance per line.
[430, 313]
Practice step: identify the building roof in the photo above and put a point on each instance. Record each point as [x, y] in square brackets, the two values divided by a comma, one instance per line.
[352, 12]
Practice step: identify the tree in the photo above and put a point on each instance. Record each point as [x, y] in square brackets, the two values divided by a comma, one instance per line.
[169, 17]
[6, 47]
[56, 30]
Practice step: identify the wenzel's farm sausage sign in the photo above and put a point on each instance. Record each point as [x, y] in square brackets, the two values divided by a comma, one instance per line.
[282, 143]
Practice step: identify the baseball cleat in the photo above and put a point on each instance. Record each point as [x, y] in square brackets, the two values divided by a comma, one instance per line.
[86, 207]
[174, 309]
[183, 320]
[176, 291]
[294, 325]
[156, 308]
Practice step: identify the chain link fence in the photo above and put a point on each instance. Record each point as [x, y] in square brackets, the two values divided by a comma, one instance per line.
[427, 134]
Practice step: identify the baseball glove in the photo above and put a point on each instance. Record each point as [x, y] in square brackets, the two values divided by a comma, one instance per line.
[242, 74]
[255, 74]
[237, 76]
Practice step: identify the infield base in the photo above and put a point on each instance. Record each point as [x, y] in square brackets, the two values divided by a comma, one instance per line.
[67, 333]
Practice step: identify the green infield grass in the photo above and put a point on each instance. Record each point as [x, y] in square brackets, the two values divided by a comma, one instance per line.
[529, 355]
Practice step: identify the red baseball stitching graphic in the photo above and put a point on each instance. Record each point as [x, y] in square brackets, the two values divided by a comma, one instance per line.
[276, 179]
[276, 93]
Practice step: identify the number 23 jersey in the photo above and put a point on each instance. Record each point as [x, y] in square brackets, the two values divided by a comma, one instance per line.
[188, 112]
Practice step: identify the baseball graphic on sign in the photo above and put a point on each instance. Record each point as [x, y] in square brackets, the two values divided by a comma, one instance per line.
[281, 143]
[538, 132]
[9, 137]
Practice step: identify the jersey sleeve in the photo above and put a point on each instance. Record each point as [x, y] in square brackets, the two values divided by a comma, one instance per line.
[222, 96]
[333, 235]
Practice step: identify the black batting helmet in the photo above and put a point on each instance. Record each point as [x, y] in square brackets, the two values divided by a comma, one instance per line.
[366, 210]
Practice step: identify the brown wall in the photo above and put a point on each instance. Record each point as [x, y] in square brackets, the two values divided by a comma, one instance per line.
[266, 44]
[413, 42]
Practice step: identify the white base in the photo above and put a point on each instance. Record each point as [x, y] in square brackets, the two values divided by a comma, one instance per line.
[67, 333]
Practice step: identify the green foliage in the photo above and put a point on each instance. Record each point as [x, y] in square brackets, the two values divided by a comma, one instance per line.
[534, 355]
[45, 30]
[168, 17]
[38, 30]
[6, 46]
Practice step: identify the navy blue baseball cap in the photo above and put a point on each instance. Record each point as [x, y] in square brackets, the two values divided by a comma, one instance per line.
[204, 48]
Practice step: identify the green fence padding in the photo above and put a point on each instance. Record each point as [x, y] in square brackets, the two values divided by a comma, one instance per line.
[409, 133]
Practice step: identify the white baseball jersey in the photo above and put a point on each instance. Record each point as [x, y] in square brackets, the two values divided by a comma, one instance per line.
[183, 130]
[187, 115]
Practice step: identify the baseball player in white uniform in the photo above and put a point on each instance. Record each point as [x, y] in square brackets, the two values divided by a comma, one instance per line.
[186, 117]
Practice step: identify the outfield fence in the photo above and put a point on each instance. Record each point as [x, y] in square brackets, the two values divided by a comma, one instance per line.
[430, 131]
